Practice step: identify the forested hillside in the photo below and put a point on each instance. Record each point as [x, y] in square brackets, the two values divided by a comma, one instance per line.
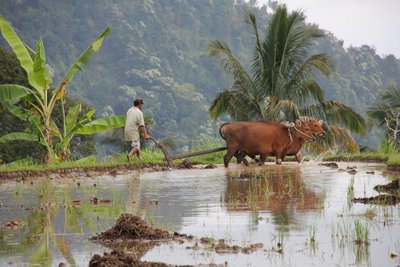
[158, 51]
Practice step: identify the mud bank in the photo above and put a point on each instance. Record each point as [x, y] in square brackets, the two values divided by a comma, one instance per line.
[131, 237]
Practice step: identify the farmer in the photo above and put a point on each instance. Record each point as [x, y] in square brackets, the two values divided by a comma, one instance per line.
[134, 124]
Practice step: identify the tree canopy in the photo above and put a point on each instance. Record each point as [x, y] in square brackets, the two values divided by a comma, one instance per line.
[158, 51]
[280, 84]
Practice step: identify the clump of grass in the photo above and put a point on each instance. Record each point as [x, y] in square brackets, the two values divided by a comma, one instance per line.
[211, 158]
[369, 213]
[361, 233]
[394, 160]
[312, 236]
[341, 234]
[367, 156]
[350, 192]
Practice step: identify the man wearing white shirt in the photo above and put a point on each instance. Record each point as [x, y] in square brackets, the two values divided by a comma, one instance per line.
[135, 124]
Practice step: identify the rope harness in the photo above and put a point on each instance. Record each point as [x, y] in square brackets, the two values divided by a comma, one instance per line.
[304, 134]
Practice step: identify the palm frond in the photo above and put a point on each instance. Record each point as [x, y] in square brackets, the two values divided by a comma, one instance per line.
[232, 102]
[337, 113]
[343, 141]
[378, 113]
[305, 91]
[391, 96]
[337, 139]
[285, 110]
[302, 72]
[229, 62]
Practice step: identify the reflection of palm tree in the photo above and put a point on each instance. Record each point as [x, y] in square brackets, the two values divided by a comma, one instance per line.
[280, 85]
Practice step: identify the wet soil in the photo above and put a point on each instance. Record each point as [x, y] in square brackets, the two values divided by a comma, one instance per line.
[379, 200]
[131, 237]
[391, 194]
[82, 172]
[329, 164]
[393, 186]
[132, 227]
[120, 259]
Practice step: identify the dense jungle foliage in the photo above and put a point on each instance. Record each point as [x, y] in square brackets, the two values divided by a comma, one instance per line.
[158, 51]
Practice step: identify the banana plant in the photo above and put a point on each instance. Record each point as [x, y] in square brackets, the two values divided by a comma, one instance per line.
[40, 97]
[85, 125]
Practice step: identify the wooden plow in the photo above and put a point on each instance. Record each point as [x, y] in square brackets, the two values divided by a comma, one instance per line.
[169, 158]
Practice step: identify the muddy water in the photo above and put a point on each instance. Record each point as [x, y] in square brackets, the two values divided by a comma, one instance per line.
[301, 214]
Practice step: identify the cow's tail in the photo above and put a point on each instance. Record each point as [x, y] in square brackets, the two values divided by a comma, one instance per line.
[221, 132]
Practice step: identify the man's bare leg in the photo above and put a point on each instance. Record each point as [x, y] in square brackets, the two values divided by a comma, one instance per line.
[133, 151]
[139, 155]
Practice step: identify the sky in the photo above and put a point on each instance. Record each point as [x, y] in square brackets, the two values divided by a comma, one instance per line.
[357, 22]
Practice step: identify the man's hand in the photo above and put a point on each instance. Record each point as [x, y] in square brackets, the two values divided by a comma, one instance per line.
[146, 136]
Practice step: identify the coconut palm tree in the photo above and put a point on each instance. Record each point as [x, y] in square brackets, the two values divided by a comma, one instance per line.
[386, 113]
[280, 84]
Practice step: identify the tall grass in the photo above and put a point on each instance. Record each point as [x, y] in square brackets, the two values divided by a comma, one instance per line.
[387, 153]
[115, 160]
[211, 158]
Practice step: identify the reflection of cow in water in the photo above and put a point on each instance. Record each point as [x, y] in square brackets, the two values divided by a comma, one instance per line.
[271, 188]
[268, 139]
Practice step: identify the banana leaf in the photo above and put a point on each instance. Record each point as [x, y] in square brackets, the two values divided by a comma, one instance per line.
[22, 53]
[89, 159]
[102, 124]
[21, 162]
[40, 71]
[72, 116]
[84, 58]
[12, 93]
[19, 136]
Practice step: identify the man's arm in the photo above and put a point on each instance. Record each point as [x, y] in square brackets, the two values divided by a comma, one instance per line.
[143, 130]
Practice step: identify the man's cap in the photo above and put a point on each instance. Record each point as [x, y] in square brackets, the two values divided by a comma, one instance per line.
[138, 101]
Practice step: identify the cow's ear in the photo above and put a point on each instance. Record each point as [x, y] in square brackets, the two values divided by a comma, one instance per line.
[298, 123]
[320, 122]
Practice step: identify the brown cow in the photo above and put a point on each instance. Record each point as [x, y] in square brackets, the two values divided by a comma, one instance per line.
[261, 138]
[316, 129]
[315, 126]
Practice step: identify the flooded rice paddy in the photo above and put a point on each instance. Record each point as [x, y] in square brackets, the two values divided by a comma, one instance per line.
[295, 214]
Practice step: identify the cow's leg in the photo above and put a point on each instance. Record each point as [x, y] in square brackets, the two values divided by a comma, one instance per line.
[278, 156]
[254, 157]
[241, 157]
[262, 160]
[229, 154]
[238, 156]
[298, 157]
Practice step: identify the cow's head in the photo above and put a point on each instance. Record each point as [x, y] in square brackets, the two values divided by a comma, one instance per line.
[316, 127]
[304, 129]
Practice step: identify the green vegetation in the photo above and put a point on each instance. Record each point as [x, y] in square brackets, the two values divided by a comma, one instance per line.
[149, 156]
[361, 233]
[369, 156]
[158, 52]
[41, 99]
[350, 193]
[280, 85]
[386, 114]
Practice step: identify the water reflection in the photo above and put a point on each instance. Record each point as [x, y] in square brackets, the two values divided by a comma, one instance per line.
[55, 219]
[301, 210]
[278, 190]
